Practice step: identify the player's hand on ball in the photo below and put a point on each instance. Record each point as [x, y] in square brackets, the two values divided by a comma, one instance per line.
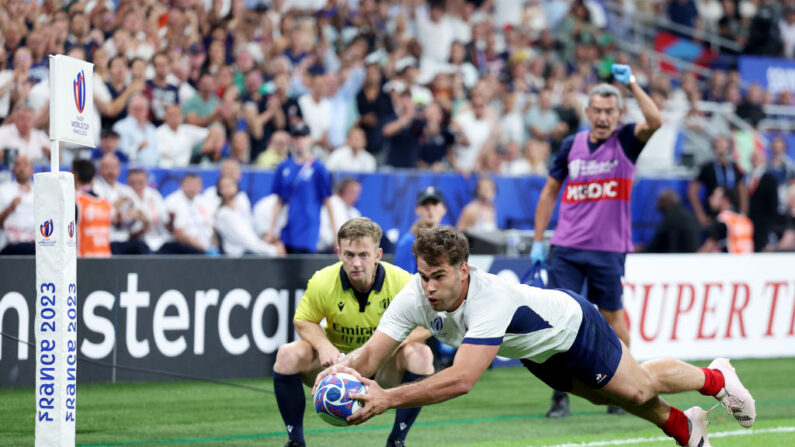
[375, 402]
[622, 73]
[334, 370]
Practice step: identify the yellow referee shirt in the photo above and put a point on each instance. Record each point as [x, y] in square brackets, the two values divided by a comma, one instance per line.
[349, 321]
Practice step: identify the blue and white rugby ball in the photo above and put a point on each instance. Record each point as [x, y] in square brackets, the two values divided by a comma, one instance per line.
[332, 398]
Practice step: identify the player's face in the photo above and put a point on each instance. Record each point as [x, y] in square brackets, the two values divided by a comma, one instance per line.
[443, 284]
[359, 260]
[603, 113]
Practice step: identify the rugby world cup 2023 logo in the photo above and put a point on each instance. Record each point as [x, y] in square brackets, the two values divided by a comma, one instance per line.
[46, 228]
[79, 88]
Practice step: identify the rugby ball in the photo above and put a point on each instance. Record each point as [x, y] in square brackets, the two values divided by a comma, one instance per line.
[332, 398]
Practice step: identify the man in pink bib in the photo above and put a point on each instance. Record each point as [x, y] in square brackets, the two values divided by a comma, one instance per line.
[594, 230]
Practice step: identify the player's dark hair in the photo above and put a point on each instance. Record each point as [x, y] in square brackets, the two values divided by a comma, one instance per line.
[84, 170]
[360, 227]
[440, 244]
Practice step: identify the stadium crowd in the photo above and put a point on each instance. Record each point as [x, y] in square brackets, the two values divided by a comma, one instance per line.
[476, 87]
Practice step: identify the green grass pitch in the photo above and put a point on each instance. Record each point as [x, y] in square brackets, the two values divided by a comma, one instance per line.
[505, 409]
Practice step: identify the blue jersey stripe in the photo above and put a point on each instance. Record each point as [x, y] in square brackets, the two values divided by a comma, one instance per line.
[496, 341]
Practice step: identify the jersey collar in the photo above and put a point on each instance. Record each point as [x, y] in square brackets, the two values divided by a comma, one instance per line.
[378, 284]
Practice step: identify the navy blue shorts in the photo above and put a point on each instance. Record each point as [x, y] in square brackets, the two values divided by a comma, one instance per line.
[592, 359]
[570, 267]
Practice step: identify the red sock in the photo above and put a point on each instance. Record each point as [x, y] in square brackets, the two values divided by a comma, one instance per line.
[677, 427]
[713, 382]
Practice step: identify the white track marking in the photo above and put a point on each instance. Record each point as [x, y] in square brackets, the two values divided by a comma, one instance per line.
[720, 434]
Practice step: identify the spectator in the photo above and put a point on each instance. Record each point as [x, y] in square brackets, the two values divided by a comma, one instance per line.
[480, 214]
[479, 127]
[303, 183]
[230, 168]
[6, 84]
[17, 222]
[112, 98]
[763, 206]
[781, 166]
[138, 135]
[709, 14]
[234, 227]
[430, 210]
[722, 171]
[678, 232]
[22, 80]
[342, 93]
[343, 203]
[154, 216]
[80, 35]
[375, 107]
[750, 109]
[21, 136]
[437, 138]
[125, 215]
[276, 152]
[109, 144]
[93, 214]
[543, 122]
[274, 112]
[534, 160]
[202, 109]
[352, 157]
[786, 26]
[316, 108]
[683, 12]
[730, 232]
[435, 32]
[159, 91]
[176, 140]
[192, 225]
[403, 132]
[263, 215]
[787, 241]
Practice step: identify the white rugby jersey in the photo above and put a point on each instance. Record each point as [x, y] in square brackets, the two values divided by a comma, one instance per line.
[527, 322]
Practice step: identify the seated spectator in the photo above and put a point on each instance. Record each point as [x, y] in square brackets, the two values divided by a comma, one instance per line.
[278, 149]
[343, 203]
[93, 214]
[138, 135]
[17, 219]
[352, 157]
[787, 241]
[191, 224]
[20, 136]
[730, 232]
[722, 171]
[230, 168]
[109, 144]
[154, 216]
[678, 232]
[125, 215]
[234, 228]
[202, 108]
[176, 140]
[263, 215]
[534, 160]
[480, 214]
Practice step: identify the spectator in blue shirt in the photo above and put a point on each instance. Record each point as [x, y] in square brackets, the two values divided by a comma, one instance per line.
[430, 211]
[303, 183]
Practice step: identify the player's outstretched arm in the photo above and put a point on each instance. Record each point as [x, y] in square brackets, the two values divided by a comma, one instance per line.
[469, 364]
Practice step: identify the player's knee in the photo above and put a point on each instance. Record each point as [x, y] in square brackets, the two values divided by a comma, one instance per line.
[289, 358]
[640, 397]
[418, 358]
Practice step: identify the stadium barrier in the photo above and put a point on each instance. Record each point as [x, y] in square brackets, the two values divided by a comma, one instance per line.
[156, 318]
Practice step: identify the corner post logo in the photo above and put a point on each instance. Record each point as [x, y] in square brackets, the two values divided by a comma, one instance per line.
[46, 228]
[70, 231]
[79, 88]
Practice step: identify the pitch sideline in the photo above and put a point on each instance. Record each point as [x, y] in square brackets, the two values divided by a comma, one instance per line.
[720, 434]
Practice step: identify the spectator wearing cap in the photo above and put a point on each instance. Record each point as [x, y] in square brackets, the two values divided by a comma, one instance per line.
[374, 106]
[159, 91]
[109, 144]
[430, 210]
[352, 157]
[138, 135]
[202, 109]
[303, 183]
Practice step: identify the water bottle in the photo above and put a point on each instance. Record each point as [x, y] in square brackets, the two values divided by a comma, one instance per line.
[512, 243]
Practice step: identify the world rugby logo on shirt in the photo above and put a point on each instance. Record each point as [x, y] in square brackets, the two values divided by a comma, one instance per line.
[437, 325]
[590, 167]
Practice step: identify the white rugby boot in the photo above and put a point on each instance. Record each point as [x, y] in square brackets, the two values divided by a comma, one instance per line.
[734, 397]
[698, 427]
